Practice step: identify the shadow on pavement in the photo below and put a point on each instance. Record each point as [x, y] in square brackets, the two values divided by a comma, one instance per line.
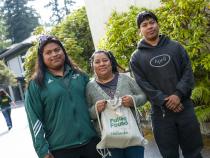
[3, 133]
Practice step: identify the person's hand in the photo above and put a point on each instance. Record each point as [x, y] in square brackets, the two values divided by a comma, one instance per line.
[127, 101]
[101, 105]
[49, 156]
[172, 102]
[13, 103]
[179, 108]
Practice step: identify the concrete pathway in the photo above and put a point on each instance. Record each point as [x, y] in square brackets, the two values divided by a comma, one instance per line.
[18, 143]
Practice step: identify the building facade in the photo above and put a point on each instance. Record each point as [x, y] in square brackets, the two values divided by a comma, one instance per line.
[13, 57]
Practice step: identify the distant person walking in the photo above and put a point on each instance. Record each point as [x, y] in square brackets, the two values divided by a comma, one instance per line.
[162, 69]
[5, 101]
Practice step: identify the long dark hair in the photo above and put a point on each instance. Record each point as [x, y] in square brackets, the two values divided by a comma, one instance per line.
[41, 68]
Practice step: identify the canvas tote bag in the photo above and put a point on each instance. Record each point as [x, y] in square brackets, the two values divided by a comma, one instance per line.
[118, 126]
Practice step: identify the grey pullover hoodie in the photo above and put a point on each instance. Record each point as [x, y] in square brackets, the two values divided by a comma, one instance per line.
[162, 70]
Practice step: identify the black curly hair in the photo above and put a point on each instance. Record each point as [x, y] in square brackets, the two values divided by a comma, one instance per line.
[111, 57]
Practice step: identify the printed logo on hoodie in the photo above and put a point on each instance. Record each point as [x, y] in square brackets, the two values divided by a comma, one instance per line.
[74, 76]
[160, 60]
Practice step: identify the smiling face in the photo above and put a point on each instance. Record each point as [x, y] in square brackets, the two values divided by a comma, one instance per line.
[53, 56]
[149, 29]
[102, 65]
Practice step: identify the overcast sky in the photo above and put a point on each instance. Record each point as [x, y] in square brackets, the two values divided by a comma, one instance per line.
[45, 13]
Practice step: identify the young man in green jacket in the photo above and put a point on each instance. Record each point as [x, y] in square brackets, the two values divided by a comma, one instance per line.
[56, 106]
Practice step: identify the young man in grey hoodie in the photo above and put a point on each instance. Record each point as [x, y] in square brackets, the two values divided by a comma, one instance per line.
[162, 69]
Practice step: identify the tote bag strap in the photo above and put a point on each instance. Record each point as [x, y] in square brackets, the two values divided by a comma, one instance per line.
[138, 120]
[99, 121]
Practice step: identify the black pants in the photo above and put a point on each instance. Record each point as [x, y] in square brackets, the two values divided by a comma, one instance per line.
[86, 151]
[178, 130]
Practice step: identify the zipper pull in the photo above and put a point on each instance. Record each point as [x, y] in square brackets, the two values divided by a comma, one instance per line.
[163, 111]
[164, 114]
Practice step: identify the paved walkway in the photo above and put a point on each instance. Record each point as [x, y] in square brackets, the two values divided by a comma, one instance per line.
[18, 143]
[151, 150]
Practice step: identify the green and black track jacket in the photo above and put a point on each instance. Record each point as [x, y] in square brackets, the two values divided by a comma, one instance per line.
[58, 113]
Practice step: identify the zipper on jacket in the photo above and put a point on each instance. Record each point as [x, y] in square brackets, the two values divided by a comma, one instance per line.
[163, 111]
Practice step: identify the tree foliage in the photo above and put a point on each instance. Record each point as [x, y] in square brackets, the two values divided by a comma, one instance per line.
[6, 76]
[20, 19]
[56, 16]
[3, 33]
[31, 55]
[59, 12]
[201, 99]
[76, 27]
[121, 35]
[67, 5]
[188, 23]
[74, 32]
